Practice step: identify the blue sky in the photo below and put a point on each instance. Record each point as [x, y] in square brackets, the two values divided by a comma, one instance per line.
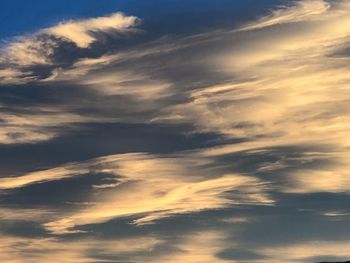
[20, 16]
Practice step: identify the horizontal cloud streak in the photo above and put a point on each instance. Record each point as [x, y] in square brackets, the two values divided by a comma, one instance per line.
[149, 187]
[307, 251]
[40, 250]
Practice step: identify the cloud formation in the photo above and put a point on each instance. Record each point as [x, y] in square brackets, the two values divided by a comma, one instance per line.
[301, 11]
[289, 86]
[272, 94]
[39, 47]
[308, 251]
[149, 187]
[81, 32]
[19, 249]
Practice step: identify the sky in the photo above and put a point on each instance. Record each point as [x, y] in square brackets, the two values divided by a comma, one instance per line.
[194, 131]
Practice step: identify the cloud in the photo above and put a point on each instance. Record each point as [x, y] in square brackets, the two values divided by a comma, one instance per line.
[38, 177]
[284, 86]
[307, 251]
[105, 87]
[271, 89]
[18, 249]
[81, 32]
[198, 247]
[335, 214]
[301, 11]
[28, 51]
[26, 127]
[150, 188]
[13, 76]
[330, 179]
[99, 74]
[40, 47]
[156, 187]
[267, 96]
[280, 81]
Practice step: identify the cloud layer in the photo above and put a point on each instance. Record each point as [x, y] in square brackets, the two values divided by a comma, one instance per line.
[148, 187]
[249, 129]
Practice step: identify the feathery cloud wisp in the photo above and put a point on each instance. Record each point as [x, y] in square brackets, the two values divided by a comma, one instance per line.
[149, 187]
[39, 47]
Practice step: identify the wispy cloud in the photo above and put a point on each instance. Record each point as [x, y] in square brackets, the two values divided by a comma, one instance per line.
[150, 187]
[288, 87]
[39, 47]
[18, 249]
[81, 32]
[301, 11]
[31, 61]
[279, 83]
[197, 247]
[308, 251]
[13, 76]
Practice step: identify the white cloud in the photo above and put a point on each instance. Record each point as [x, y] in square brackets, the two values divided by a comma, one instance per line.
[81, 32]
[303, 10]
[289, 88]
[13, 76]
[149, 187]
[24, 127]
[40, 250]
[37, 48]
[154, 187]
[306, 251]
[198, 247]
